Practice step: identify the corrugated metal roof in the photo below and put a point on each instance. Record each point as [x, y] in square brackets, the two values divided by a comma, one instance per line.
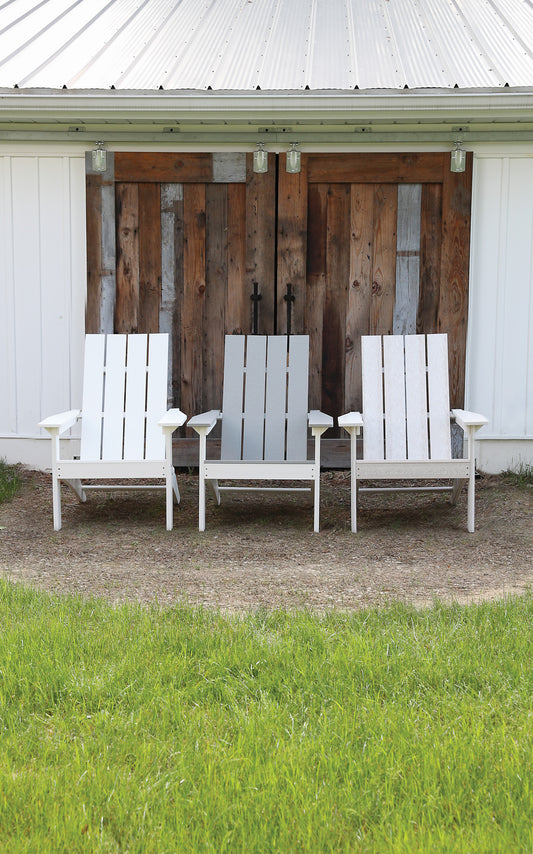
[242, 45]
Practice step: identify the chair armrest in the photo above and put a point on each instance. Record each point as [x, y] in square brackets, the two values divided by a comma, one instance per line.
[172, 419]
[319, 419]
[351, 419]
[57, 424]
[205, 421]
[469, 419]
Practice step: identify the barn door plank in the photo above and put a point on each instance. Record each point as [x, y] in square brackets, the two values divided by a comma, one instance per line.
[292, 248]
[359, 290]
[430, 258]
[384, 259]
[237, 307]
[216, 273]
[149, 257]
[453, 304]
[260, 242]
[172, 281]
[127, 299]
[193, 296]
[337, 280]
[407, 259]
[316, 287]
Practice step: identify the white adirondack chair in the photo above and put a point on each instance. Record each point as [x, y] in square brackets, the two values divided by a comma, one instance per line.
[406, 418]
[264, 419]
[126, 430]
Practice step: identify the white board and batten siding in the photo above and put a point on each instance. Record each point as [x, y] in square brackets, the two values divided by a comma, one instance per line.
[499, 367]
[42, 294]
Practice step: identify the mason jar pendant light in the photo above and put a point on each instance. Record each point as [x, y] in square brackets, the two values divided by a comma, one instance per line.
[260, 158]
[294, 159]
[99, 158]
[458, 158]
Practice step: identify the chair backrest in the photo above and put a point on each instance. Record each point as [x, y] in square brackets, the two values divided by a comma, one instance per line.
[124, 396]
[265, 397]
[406, 405]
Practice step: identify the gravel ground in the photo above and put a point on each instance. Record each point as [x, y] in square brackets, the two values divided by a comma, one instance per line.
[260, 551]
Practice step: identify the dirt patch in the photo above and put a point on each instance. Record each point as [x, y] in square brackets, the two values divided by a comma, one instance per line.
[260, 551]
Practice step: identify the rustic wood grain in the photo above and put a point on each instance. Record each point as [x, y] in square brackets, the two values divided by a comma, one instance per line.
[407, 259]
[362, 168]
[337, 286]
[260, 242]
[292, 246]
[127, 299]
[172, 281]
[316, 286]
[149, 257]
[216, 271]
[94, 252]
[430, 258]
[453, 305]
[384, 259]
[194, 229]
[237, 306]
[165, 167]
[359, 290]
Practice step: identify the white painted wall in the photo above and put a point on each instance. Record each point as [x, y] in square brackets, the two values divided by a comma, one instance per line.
[42, 292]
[43, 288]
[499, 381]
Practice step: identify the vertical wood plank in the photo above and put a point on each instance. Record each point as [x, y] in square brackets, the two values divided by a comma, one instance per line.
[316, 287]
[237, 307]
[127, 301]
[216, 271]
[453, 305]
[292, 246]
[260, 242]
[172, 282]
[193, 296]
[407, 259]
[384, 260]
[337, 286]
[149, 257]
[101, 247]
[430, 258]
[360, 289]
[94, 252]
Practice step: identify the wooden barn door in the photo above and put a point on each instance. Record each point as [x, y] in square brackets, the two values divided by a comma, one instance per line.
[199, 245]
[372, 244]
[182, 243]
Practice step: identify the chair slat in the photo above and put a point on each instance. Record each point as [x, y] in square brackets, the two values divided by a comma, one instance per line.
[232, 400]
[92, 400]
[134, 416]
[156, 394]
[394, 386]
[297, 397]
[254, 398]
[372, 371]
[416, 397]
[276, 397]
[439, 397]
[114, 387]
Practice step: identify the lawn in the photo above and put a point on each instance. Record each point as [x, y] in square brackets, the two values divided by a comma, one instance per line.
[137, 729]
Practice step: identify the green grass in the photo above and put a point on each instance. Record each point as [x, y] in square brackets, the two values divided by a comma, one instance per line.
[9, 481]
[134, 730]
